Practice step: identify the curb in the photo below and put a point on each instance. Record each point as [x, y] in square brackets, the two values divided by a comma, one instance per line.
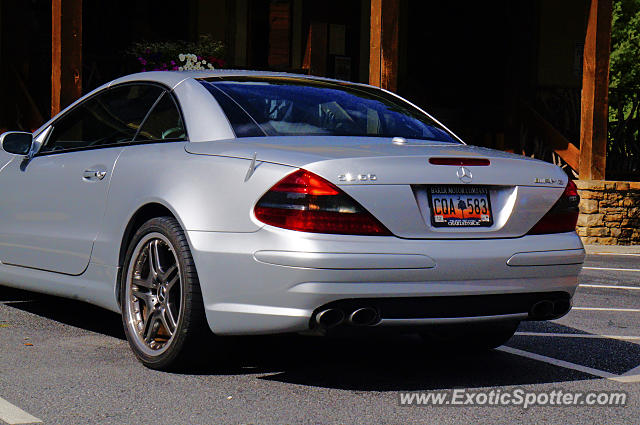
[614, 249]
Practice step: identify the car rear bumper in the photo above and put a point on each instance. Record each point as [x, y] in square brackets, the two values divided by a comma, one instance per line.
[275, 280]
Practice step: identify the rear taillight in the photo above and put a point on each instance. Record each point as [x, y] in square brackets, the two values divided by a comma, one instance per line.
[564, 214]
[306, 202]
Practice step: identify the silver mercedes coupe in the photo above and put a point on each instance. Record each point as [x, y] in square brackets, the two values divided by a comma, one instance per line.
[240, 203]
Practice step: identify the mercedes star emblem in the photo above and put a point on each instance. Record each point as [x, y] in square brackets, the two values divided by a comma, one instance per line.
[464, 174]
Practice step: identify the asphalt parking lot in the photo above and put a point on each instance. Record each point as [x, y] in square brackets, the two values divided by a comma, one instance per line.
[65, 362]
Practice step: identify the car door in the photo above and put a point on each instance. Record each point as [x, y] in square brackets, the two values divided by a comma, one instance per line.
[51, 207]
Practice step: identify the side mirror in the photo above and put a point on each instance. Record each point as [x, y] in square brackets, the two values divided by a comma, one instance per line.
[16, 142]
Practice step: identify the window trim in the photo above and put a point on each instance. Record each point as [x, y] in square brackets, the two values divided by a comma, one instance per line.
[241, 108]
[144, 120]
[163, 87]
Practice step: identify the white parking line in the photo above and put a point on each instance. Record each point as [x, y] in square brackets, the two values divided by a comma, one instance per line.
[592, 336]
[630, 376]
[611, 269]
[556, 362]
[614, 253]
[14, 415]
[625, 310]
[633, 288]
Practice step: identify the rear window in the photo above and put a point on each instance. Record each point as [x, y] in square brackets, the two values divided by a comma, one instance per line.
[272, 106]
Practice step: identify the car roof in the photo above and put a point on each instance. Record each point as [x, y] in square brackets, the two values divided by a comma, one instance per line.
[173, 78]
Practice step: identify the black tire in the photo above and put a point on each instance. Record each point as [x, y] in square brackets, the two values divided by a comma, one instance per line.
[152, 340]
[471, 336]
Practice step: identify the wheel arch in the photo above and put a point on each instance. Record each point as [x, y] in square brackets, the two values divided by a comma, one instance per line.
[143, 214]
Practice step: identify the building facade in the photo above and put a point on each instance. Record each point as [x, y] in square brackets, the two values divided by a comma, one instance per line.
[519, 75]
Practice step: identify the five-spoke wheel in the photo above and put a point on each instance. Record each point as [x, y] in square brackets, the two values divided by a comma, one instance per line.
[154, 292]
[160, 295]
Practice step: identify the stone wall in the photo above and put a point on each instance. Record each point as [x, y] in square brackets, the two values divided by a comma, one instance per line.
[609, 212]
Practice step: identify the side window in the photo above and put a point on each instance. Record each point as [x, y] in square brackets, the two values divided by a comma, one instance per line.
[109, 118]
[164, 122]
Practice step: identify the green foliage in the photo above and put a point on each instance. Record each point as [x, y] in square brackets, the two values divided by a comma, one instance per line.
[623, 147]
[625, 45]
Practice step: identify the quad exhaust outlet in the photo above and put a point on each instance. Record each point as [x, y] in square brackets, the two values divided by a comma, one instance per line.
[332, 317]
[547, 309]
[365, 316]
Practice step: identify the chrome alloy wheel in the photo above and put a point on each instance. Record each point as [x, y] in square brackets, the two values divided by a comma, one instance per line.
[154, 292]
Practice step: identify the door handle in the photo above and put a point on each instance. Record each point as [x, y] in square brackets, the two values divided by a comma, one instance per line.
[94, 174]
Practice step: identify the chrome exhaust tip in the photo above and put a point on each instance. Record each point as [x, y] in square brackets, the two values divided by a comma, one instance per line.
[365, 316]
[330, 318]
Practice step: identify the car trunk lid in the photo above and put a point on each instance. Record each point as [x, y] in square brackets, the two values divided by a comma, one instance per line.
[394, 181]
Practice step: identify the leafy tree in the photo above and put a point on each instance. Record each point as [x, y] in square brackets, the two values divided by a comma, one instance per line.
[623, 150]
[625, 45]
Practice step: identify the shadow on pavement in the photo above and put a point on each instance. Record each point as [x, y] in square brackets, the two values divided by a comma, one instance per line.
[69, 312]
[364, 363]
[391, 363]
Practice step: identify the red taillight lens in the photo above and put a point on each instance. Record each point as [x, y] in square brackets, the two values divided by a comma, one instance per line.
[306, 202]
[564, 214]
[571, 190]
[305, 182]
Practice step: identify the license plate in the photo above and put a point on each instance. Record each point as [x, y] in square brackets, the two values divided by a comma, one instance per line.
[460, 206]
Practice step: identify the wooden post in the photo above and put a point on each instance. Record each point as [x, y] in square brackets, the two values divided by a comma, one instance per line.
[383, 44]
[56, 54]
[315, 53]
[279, 34]
[595, 90]
[240, 33]
[66, 53]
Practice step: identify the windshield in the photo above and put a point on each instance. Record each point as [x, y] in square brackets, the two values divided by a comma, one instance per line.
[281, 106]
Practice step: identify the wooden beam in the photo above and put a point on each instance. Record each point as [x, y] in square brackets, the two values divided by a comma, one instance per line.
[56, 54]
[375, 43]
[552, 137]
[72, 51]
[316, 50]
[66, 53]
[595, 89]
[241, 33]
[279, 34]
[389, 60]
[383, 44]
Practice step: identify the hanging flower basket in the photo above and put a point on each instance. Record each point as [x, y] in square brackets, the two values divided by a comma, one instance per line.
[178, 55]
